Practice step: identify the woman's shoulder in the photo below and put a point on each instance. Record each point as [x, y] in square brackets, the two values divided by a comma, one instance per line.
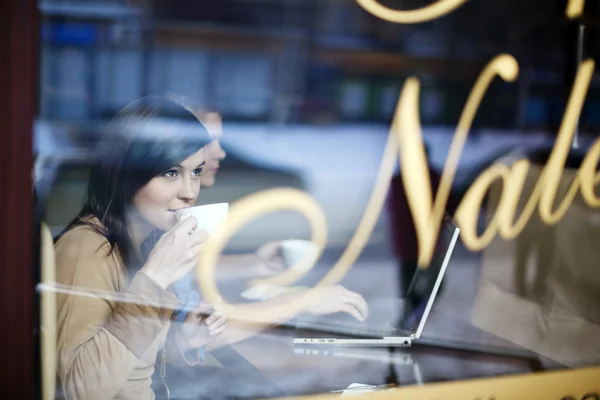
[84, 248]
[84, 238]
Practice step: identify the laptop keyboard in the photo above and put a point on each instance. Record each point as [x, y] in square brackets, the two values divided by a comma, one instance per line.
[384, 316]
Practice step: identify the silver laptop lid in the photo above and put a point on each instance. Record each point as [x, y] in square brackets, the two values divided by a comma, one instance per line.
[426, 283]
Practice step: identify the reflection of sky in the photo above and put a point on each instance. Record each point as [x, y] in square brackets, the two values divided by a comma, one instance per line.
[347, 157]
[354, 151]
[338, 165]
[344, 150]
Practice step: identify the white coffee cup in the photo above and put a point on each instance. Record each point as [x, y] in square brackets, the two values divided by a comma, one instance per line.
[296, 250]
[209, 216]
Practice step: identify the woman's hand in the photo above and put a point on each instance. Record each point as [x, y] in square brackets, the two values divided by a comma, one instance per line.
[176, 253]
[270, 259]
[333, 299]
[197, 330]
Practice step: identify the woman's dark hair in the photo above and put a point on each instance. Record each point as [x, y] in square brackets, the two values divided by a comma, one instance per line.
[141, 143]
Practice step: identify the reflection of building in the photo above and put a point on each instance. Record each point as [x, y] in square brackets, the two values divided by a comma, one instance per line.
[85, 47]
[285, 60]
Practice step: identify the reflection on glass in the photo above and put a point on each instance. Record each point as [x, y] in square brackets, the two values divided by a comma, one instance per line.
[301, 94]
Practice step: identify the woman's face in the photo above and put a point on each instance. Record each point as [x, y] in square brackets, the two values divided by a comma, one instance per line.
[175, 189]
[214, 155]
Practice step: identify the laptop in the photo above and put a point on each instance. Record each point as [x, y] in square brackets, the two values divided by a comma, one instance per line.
[356, 353]
[391, 322]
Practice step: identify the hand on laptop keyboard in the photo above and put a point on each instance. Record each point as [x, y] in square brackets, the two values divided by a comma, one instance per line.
[334, 299]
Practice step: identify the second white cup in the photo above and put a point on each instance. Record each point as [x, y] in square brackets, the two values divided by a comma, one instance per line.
[295, 250]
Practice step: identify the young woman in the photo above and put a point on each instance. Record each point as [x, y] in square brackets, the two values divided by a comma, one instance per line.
[124, 251]
[107, 346]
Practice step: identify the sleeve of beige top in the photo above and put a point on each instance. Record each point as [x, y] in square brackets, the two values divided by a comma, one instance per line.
[99, 340]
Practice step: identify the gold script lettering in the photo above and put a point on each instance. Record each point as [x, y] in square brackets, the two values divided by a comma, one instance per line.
[242, 212]
[439, 9]
[554, 168]
[471, 203]
[588, 176]
[574, 8]
[514, 178]
[427, 13]
[413, 164]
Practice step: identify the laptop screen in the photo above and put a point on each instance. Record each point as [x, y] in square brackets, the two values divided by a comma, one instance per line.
[426, 282]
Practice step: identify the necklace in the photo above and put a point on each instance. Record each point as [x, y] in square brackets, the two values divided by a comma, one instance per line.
[163, 391]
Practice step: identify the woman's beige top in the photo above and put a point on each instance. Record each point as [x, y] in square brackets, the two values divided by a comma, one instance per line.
[106, 348]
